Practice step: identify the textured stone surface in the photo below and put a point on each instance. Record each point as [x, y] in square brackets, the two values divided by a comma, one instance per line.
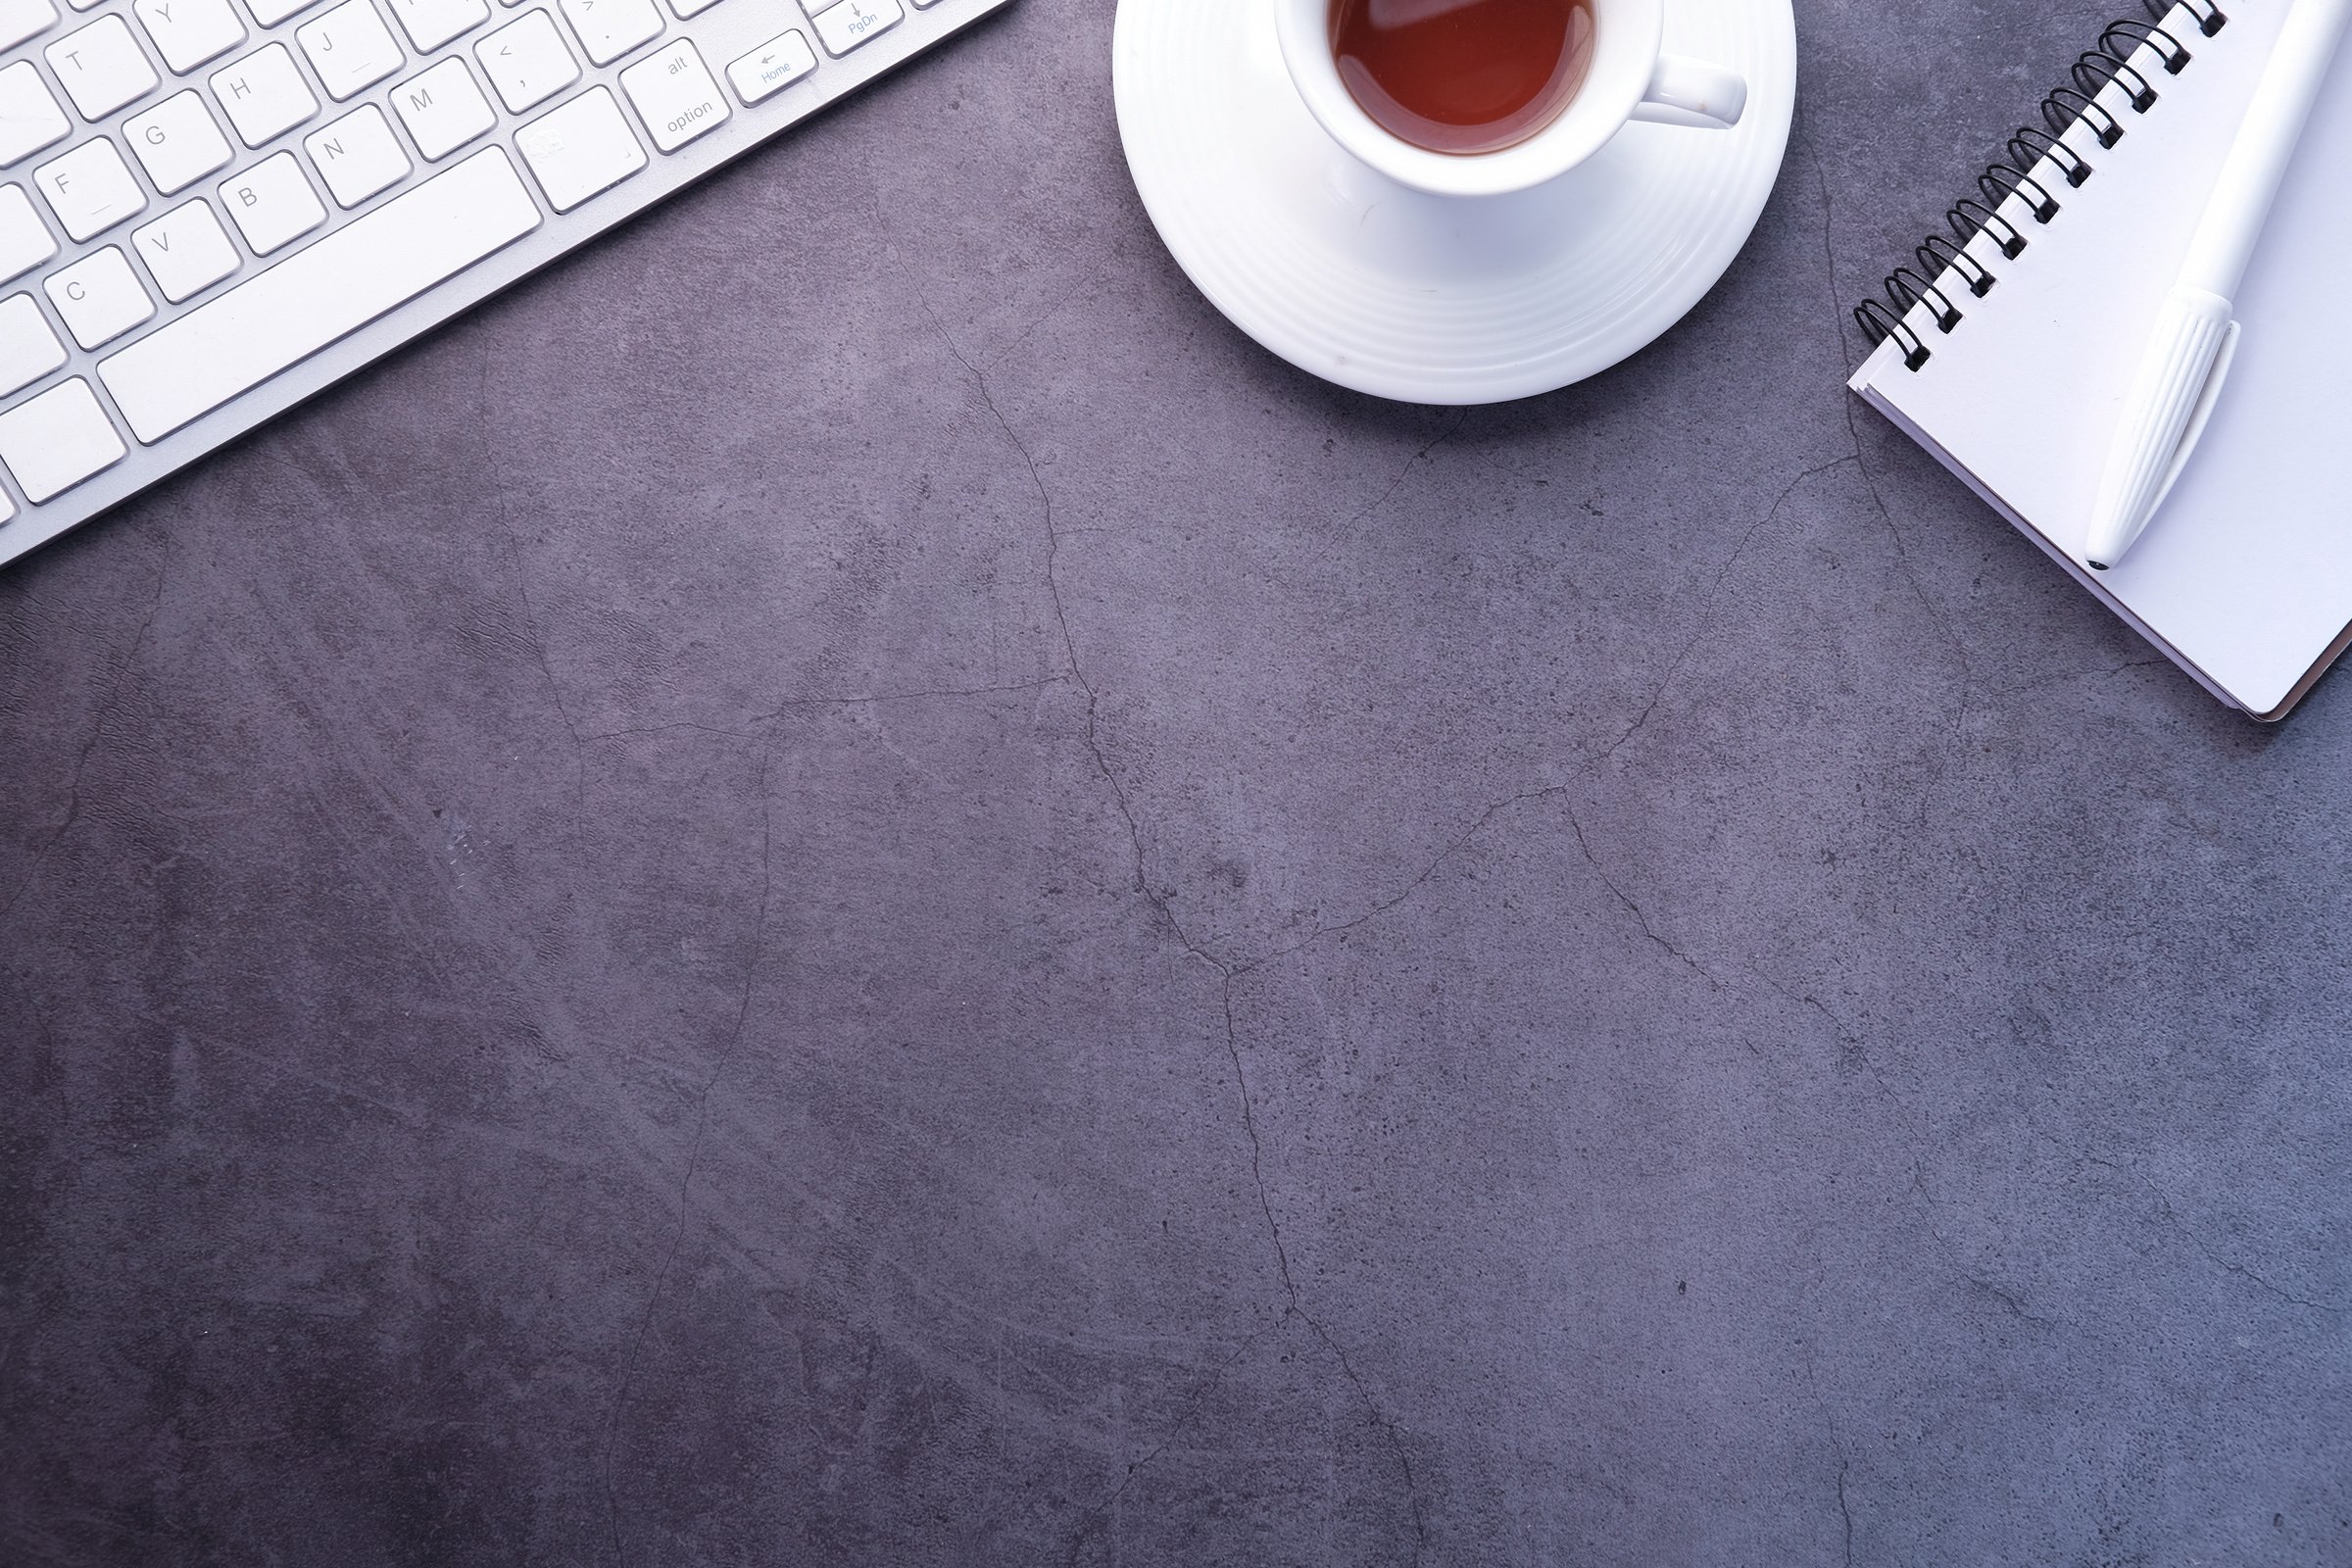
[1007, 933]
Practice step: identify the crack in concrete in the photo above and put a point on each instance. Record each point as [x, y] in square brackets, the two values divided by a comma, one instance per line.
[1161, 904]
[1853, 1043]
[693, 1155]
[579, 749]
[1706, 622]
[1576, 826]
[1068, 297]
[522, 587]
[1444, 855]
[2242, 1271]
[1094, 1517]
[1829, 1417]
[1075, 670]
[1853, 429]
[2174, 1216]
[1257, 1169]
[1999, 1292]
[1851, 1040]
[1295, 1303]
[1460, 419]
[1845, 1510]
[1386, 1427]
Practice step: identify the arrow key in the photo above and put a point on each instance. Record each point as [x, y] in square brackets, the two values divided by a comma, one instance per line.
[772, 66]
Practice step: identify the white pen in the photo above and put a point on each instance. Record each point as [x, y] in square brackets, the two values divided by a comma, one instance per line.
[2188, 353]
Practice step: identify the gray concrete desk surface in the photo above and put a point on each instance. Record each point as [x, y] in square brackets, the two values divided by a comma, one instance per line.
[844, 886]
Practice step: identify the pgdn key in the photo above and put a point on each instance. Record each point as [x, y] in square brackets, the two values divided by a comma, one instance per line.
[675, 96]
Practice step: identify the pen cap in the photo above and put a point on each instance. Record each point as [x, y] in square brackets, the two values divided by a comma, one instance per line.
[2191, 331]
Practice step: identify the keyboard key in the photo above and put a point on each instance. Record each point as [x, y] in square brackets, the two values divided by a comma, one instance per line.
[691, 7]
[185, 250]
[675, 96]
[270, 13]
[845, 25]
[443, 109]
[350, 48]
[29, 350]
[25, 241]
[265, 94]
[30, 119]
[610, 29]
[584, 147]
[81, 5]
[189, 33]
[102, 67]
[272, 203]
[21, 19]
[526, 61]
[55, 441]
[177, 142]
[772, 66]
[99, 296]
[430, 23]
[282, 316]
[358, 155]
[90, 190]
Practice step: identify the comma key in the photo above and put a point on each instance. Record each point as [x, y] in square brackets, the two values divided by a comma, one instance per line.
[526, 61]
[675, 96]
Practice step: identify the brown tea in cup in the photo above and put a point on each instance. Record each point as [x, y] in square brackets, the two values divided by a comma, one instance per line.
[1462, 76]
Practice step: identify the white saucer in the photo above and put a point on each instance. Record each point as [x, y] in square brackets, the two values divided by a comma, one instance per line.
[1428, 299]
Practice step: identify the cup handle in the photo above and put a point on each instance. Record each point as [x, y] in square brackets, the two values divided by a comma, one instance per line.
[1688, 92]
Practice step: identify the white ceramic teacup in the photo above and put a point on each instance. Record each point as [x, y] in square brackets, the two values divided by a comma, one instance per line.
[1631, 77]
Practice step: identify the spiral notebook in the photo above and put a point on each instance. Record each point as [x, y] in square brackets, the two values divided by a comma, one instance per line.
[2008, 348]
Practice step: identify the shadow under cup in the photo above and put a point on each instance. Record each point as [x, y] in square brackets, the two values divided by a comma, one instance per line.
[1462, 76]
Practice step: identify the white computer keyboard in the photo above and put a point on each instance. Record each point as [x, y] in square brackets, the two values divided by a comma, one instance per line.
[212, 209]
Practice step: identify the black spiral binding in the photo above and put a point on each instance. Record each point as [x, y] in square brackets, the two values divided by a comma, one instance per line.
[2041, 167]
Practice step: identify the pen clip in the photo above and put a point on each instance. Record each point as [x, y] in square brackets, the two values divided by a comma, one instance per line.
[2198, 416]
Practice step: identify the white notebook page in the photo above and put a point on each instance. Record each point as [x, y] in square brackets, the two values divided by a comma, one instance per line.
[2245, 577]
